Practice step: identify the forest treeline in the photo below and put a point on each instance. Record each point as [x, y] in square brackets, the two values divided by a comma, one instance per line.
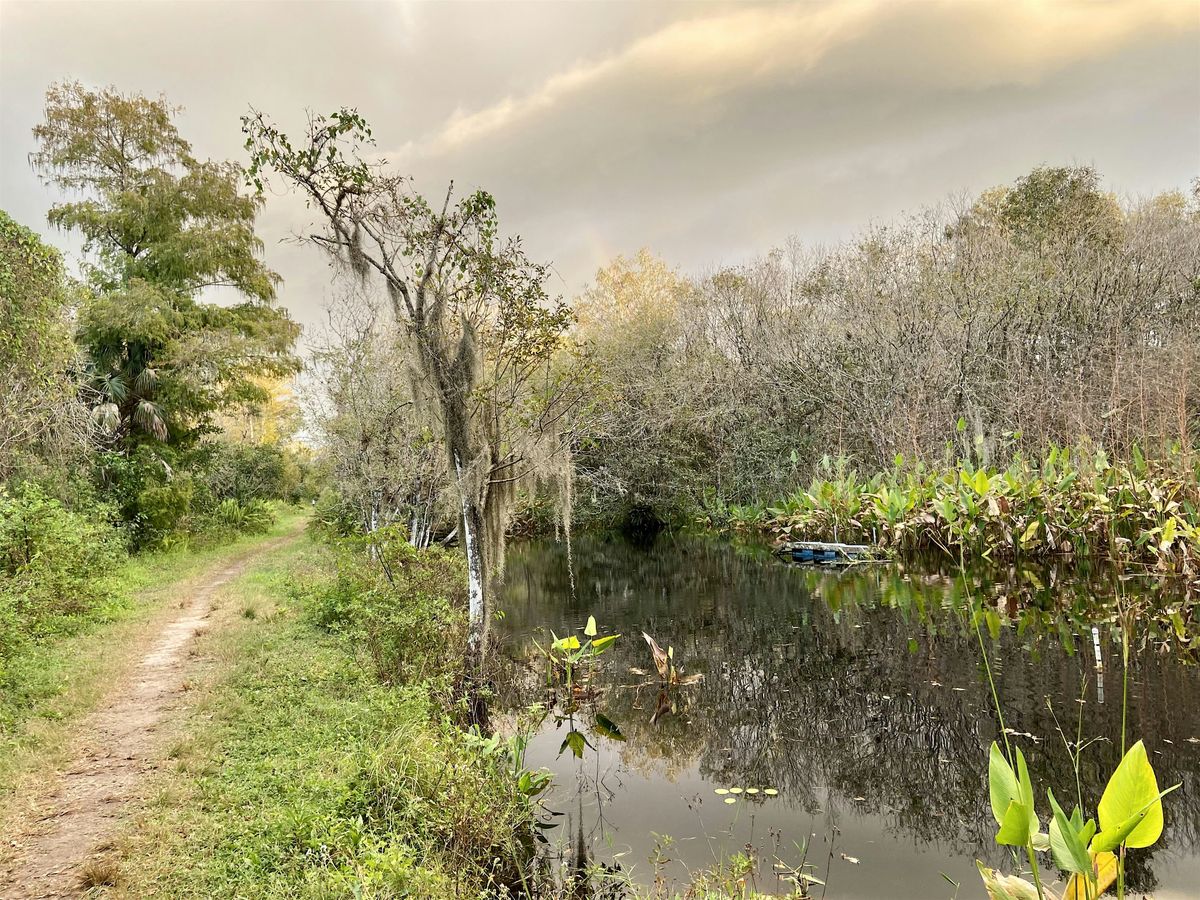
[135, 411]
[1046, 313]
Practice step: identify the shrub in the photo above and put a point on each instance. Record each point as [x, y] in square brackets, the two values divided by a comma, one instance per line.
[52, 563]
[245, 472]
[429, 782]
[251, 516]
[405, 608]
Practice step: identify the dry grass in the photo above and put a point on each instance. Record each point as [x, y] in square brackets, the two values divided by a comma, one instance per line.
[100, 872]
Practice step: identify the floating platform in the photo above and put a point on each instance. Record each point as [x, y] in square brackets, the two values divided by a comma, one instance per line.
[822, 553]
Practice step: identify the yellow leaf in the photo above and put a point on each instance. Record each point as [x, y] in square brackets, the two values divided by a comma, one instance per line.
[1005, 887]
[1030, 532]
[1105, 867]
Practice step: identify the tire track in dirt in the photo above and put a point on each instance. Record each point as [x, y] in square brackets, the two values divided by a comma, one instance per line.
[78, 814]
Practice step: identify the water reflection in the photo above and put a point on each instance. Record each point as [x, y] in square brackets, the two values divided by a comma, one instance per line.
[858, 695]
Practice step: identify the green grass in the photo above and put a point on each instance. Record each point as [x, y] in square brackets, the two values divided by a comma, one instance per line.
[52, 683]
[298, 773]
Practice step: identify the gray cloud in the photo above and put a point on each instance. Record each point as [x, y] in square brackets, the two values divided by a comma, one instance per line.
[706, 131]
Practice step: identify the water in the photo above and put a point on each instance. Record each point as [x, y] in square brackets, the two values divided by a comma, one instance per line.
[860, 696]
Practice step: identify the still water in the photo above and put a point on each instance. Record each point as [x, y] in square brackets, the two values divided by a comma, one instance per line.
[859, 696]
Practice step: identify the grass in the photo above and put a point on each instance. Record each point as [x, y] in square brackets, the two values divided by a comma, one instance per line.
[300, 773]
[49, 686]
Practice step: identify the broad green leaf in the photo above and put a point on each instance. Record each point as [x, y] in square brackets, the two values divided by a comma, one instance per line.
[599, 644]
[1030, 532]
[1026, 787]
[1011, 795]
[993, 623]
[590, 629]
[576, 742]
[982, 482]
[1002, 783]
[1014, 829]
[1070, 853]
[567, 643]
[1131, 798]
[1168, 534]
[1111, 838]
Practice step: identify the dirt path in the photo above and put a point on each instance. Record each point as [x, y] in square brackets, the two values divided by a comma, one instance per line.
[78, 813]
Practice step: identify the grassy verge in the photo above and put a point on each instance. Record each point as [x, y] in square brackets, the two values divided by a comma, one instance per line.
[49, 685]
[305, 768]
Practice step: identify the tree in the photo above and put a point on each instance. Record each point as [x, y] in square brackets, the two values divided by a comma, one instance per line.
[383, 448]
[160, 228]
[38, 412]
[476, 323]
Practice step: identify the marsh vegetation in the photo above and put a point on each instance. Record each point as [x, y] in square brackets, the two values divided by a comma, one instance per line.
[468, 683]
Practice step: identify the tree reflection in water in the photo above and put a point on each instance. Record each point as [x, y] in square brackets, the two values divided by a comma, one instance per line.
[854, 693]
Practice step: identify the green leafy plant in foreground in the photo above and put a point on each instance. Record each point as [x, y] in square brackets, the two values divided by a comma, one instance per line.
[567, 657]
[1130, 817]
[568, 654]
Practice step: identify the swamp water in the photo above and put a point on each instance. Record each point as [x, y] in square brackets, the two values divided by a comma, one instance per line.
[858, 695]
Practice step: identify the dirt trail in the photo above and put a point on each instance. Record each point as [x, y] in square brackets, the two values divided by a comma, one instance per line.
[78, 813]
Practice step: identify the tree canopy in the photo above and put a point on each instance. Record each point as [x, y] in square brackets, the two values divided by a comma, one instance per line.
[160, 228]
[36, 351]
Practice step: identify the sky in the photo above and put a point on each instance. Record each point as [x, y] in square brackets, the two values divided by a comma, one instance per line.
[708, 132]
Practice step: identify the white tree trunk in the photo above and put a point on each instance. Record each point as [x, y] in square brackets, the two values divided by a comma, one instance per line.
[475, 574]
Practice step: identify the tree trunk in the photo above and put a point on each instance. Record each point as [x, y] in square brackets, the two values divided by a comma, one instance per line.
[475, 548]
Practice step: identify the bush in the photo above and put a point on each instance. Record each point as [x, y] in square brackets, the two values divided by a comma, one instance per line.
[150, 490]
[250, 517]
[245, 472]
[405, 608]
[52, 563]
[431, 783]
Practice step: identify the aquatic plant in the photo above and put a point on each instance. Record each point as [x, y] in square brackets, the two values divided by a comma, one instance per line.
[566, 657]
[1130, 809]
[1074, 503]
[567, 654]
[1130, 817]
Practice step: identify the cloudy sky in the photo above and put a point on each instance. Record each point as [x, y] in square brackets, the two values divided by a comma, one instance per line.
[707, 132]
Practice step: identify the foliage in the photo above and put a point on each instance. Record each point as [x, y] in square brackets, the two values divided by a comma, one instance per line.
[1072, 503]
[1043, 313]
[405, 609]
[1130, 813]
[161, 227]
[53, 564]
[568, 654]
[38, 413]
[246, 472]
[252, 517]
[166, 495]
